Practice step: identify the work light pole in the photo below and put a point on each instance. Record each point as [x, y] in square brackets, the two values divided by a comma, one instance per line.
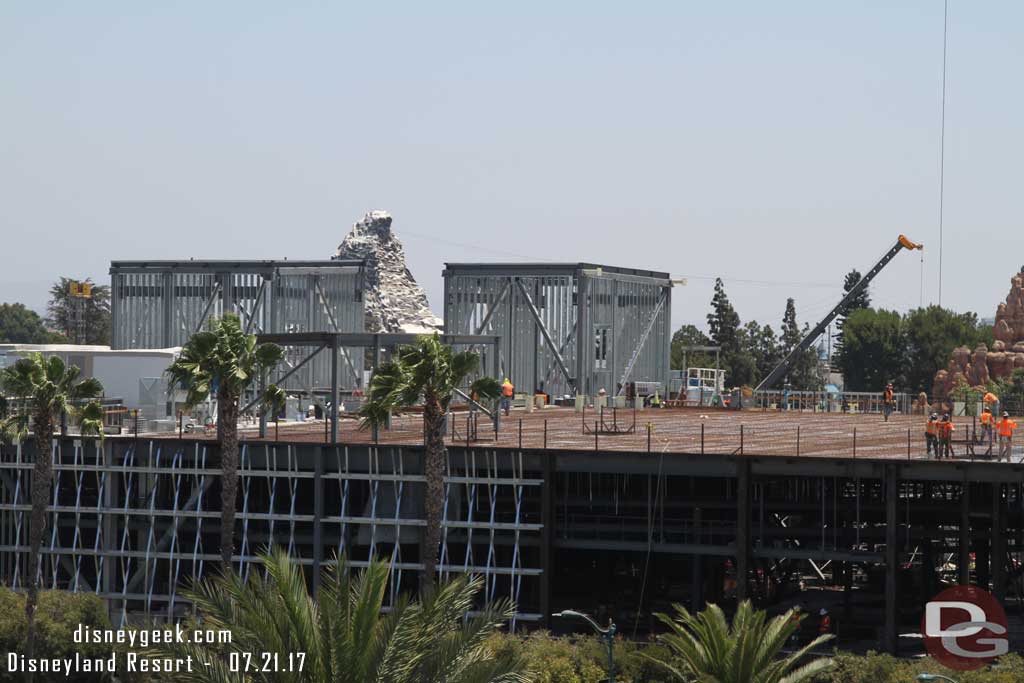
[606, 634]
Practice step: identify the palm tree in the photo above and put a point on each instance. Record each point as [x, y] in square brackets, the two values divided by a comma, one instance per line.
[49, 389]
[705, 648]
[224, 361]
[426, 371]
[273, 402]
[343, 633]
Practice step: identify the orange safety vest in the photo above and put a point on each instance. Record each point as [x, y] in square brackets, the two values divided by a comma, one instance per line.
[1006, 427]
[929, 427]
[825, 626]
[888, 395]
[507, 389]
[986, 418]
[946, 429]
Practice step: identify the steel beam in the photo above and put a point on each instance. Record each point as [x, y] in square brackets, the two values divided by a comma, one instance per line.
[544, 333]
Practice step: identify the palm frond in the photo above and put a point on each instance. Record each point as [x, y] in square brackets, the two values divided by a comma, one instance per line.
[705, 647]
[345, 635]
[90, 419]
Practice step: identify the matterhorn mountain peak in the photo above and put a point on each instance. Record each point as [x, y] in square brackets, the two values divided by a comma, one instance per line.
[394, 301]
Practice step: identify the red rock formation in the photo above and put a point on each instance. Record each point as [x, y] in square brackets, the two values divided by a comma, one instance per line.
[978, 367]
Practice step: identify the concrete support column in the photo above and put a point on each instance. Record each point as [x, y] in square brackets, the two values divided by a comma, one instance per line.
[335, 396]
[889, 634]
[547, 536]
[697, 584]
[318, 515]
[743, 523]
[964, 557]
[112, 484]
[998, 556]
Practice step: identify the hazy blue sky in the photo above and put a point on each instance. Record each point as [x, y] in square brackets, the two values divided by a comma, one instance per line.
[774, 144]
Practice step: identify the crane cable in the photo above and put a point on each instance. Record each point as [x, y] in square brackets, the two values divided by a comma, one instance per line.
[942, 138]
[920, 296]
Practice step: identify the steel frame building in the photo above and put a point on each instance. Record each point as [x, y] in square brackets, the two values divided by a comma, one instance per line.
[344, 346]
[133, 520]
[160, 304]
[565, 328]
[130, 520]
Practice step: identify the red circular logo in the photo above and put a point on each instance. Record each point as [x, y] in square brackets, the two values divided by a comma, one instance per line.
[964, 628]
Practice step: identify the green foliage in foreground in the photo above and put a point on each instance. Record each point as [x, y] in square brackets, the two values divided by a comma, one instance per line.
[344, 634]
[705, 646]
[58, 614]
[581, 659]
[553, 659]
[879, 668]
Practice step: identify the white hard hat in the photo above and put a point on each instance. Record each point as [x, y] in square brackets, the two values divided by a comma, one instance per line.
[823, 611]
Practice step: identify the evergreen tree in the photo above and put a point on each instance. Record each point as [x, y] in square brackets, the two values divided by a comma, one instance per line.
[769, 353]
[723, 321]
[724, 326]
[790, 330]
[803, 373]
[862, 300]
[760, 343]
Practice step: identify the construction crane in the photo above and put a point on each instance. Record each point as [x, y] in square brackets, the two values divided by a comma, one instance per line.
[782, 369]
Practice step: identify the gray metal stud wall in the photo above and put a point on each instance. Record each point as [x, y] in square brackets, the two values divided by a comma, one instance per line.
[160, 304]
[565, 328]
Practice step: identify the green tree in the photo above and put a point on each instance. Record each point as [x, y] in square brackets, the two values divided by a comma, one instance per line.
[426, 372]
[874, 350]
[20, 325]
[47, 389]
[724, 327]
[274, 402]
[81, 319]
[689, 335]
[705, 648]
[723, 321]
[759, 342]
[931, 335]
[225, 361]
[344, 633]
[803, 373]
[862, 300]
[58, 615]
[1011, 389]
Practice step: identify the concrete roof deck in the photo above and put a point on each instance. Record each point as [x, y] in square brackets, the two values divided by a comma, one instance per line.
[673, 430]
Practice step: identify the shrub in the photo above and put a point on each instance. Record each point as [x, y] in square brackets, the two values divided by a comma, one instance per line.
[58, 615]
[881, 668]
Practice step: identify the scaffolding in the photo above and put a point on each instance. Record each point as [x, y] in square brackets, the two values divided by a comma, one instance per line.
[565, 329]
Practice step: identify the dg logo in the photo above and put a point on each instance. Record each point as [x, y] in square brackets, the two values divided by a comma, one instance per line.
[964, 628]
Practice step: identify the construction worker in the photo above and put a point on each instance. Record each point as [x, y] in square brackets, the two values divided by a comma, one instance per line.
[991, 401]
[795, 617]
[888, 401]
[1005, 428]
[931, 440]
[987, 420]
[825, 623]
[946, 429]
[507, 391]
